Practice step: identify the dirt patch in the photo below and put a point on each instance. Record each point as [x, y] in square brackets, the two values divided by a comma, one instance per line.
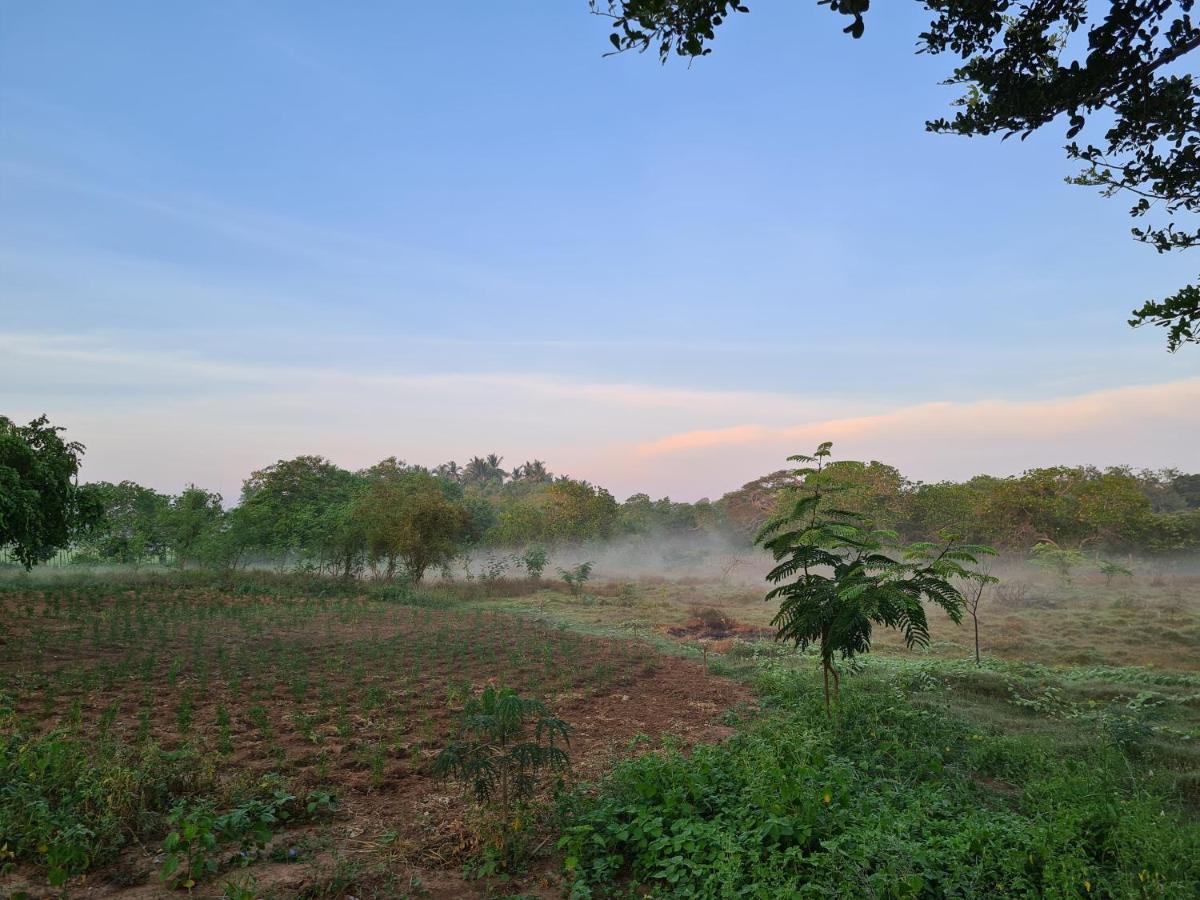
[712, 624]
[349, 696]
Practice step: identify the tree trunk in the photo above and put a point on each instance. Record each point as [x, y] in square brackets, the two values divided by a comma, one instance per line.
[825, 671]
[975, 618]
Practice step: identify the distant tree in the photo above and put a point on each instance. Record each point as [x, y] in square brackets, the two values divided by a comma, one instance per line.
[390, 468]
[411, 521]
[449, 471]
[1067, 505]
[753, 504]
[484, 471]
[1188, 488]
[132, 525]
[947, 506]
[578, 511]
[532, 471]
[188, 521]
[39, 505]
[837, 577]
[296, 510]
[641, 515]
[1113, 68]
[1060, 560]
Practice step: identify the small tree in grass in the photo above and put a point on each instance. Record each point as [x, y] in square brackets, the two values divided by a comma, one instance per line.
[976, 584]
[1111, 570]
[534, 560]
[576, 577]
[504, 743]
[1060, 560]
[837, 577]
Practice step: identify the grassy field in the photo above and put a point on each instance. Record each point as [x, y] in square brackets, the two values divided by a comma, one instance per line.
[1152, 619]
[274, 736]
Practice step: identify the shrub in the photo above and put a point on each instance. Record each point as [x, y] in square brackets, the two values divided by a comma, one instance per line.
[1060, 560]
[886, 800]
[198, 833]
[576, 577]
[711, 618]
[534, 560]
[66, 807]
[504, 743]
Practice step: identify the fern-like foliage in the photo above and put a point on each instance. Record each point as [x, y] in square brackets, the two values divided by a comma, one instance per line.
[504, 743]
[836, 576]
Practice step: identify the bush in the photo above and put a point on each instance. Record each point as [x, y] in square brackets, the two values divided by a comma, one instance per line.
[66, 808]
[504, 743]
[885, 800]
[711, 618]
[198, 833]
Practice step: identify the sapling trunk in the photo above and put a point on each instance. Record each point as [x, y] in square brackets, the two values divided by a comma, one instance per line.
[825, 673]
[975, 619]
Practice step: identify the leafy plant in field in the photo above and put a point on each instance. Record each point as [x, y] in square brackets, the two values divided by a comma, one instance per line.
[837, 577]
[1111, 570]
[976, 584]
[576, 577]
[1059, 560]
[887, 801]
[504, 743]
[190, 845]
[67, 807]
[534, 559]
[494, 568]
[198, 834]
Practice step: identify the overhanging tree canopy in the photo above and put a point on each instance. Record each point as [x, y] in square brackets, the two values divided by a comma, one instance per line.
[1113, 72]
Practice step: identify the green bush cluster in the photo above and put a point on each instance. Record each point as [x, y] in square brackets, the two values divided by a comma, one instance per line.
[67, 807]
[200, 836]
[889, 799]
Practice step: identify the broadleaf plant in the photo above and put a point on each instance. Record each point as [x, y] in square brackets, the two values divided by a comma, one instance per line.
[837, 576]
[504, 743]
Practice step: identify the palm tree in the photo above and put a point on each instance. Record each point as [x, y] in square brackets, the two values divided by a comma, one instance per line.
[450, 471]
[533, 471]
[484, 471]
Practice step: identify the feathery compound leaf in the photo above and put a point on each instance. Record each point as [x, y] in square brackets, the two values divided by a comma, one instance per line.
[837, 577]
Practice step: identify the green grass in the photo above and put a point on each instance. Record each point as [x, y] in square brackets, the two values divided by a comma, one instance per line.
[936, 778]
[905, 792]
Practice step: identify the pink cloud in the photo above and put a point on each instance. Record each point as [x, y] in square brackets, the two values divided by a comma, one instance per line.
[1151, 425]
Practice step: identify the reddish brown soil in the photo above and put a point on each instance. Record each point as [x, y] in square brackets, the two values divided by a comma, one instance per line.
[354, 698]
[711, 629]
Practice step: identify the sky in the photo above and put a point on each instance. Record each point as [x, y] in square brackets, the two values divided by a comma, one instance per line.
[236, 232]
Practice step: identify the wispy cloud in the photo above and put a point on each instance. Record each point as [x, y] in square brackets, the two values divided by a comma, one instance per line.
[88, 359]
[1175, 403]
[167, 417]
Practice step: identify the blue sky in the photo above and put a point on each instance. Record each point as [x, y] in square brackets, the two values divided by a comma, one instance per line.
[234, 232]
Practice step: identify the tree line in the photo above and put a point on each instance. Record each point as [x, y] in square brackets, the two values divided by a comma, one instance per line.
[395, 518]
[1116, 509]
